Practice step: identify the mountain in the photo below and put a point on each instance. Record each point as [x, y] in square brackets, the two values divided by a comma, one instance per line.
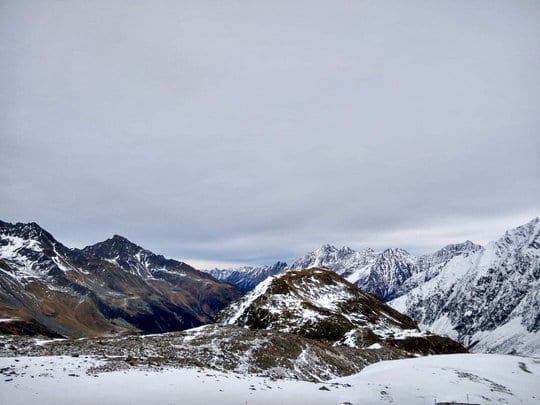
[488, 299]
[112, 287]
[345, 261]
[387, 274]
[246, 278]
[317, 303]
[428, 266]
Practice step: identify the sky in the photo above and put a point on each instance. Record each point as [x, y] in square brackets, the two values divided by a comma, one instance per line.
[242, 132]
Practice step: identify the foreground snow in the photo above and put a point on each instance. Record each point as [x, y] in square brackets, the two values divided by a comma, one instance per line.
[478, 378]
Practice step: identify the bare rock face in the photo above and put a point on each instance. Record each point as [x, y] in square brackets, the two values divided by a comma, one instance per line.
[112, 287]
[319, 304]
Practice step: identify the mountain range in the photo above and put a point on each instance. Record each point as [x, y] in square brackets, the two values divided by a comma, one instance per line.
[111, 287]
[309, 324]
[486, 297]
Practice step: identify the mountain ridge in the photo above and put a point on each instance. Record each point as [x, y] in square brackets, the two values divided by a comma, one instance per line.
[114, 286]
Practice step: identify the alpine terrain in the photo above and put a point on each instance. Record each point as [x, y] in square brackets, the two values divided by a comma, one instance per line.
[310, 325]
[111, 287]
[319, 304]
[487, 298]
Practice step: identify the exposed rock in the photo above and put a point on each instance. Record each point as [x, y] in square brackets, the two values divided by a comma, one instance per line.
[319, 304]
[111, 287]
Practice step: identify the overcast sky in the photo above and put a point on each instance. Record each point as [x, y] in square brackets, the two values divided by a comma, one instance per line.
[223, 132]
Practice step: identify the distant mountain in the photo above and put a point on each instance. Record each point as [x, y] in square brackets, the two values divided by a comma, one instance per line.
[386, 274]
[246, 278]
[345, 261]
[111, 287]
[488, 299]
[319, 304]
[485, 297]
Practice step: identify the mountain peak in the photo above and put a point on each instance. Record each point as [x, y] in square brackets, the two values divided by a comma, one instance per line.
[28, 231]
[345, 250]
[117, 246]
[121, 238]
[327, 248]
[280, 303]
[395, 252]
[455, 249]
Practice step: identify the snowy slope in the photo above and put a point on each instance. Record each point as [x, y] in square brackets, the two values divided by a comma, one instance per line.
[467, 378]
[489, 299]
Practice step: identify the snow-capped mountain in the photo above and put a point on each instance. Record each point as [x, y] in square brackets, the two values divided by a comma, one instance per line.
[428, 266]
[113, 286]
[386, 274]
[247, 277]
[488, 299]
[485, 297]
[319, 304]
[347, 262]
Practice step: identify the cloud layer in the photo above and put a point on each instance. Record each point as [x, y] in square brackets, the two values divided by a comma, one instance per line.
[249, 131]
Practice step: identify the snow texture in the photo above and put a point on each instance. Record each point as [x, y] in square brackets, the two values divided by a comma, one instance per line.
[466, 378]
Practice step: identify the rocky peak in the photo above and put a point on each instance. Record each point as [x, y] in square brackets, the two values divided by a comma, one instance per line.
[28, 240]
[327, 248]
[115, 247]
[319, 304]
[345, 250]
[326, 256]
[394, 252]
[395, 260]
[459, 248]
[301, 300]
[26, 231]
[315, 303]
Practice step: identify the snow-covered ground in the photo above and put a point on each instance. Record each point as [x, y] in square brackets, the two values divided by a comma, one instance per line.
[474, 378]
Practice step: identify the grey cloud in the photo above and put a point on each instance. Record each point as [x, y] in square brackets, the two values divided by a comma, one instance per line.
[250, 131]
